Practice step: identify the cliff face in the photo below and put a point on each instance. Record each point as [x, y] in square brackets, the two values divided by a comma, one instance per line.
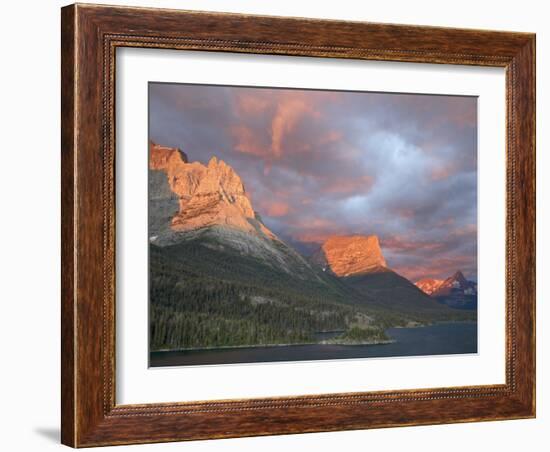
[162, 157]
[207, 205]
[350, 255]
[208, 195]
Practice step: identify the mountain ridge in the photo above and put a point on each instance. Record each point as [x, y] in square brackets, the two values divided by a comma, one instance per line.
[455, 291]
[219, 276]
[209, 202]
[359, 262]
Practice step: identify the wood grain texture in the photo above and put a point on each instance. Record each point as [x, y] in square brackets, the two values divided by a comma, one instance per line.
[67, 226]
[90, 36]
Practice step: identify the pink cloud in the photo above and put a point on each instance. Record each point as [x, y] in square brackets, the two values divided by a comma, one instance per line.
[315, 230]
[400, 244]
[276, 209]
[440, 173]
[251, 104]
[433, 258]
[449, 221]
[347, 186]
[331, 137]
[292, 106]
[312, 237]
[246, 141]
[283, 111]
[435, 268]
[405, 213]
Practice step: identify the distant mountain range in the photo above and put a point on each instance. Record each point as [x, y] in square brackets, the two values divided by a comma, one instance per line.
[220, 277]
[455, 291]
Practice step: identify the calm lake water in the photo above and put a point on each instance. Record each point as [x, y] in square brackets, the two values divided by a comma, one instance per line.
[440, 339]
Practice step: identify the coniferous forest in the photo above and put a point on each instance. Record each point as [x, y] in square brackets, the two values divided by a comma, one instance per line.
[192, 309]
[201, 297]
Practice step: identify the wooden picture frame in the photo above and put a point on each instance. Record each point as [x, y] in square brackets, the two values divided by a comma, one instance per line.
[90, 36]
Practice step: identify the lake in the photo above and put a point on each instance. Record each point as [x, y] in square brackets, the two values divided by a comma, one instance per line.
[439, 339]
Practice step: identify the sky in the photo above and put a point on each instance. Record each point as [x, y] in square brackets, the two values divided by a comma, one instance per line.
[322, 163]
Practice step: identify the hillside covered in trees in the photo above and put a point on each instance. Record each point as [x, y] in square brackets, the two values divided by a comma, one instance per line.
[203, 297]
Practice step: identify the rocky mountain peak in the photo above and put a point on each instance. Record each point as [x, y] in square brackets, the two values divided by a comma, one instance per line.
[163, 156]
[457, 281]
[208, 195]
[457, 291]
[350, 255]
[213, 162]
[459, 276]
[190, 202]
[428, 285]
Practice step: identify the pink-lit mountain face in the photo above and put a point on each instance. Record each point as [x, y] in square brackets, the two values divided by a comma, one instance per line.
[455, 291]
[358, 261]
[208, 195]
[207, 204]
[429, 285]
[443, 287]
[350, 255]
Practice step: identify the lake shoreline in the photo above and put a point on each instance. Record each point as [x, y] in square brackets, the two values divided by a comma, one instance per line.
[229, 347]
[441, 339]
[410, 325]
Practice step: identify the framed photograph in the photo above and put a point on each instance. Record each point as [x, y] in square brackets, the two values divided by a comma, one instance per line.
[282, 225]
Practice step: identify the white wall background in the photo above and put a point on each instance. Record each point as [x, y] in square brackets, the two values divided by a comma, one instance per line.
[30, 269]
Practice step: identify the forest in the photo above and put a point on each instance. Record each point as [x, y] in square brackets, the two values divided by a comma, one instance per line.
[189, 308]
[203, 297]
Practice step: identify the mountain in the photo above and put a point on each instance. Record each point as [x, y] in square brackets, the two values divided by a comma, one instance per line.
[428, 285]
[457, 292]
[456, 283]
[348, 255]
[192, 202]
[398, 297]
[359, 263]
[206, 195]
[220, 277]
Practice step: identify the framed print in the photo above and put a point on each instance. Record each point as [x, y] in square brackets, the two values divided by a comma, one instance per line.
[263, 248]
[282, 225]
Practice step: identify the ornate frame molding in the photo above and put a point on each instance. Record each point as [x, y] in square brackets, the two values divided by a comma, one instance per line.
[90, 37]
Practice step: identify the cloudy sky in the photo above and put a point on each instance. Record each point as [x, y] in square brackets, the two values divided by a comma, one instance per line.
[320, 163]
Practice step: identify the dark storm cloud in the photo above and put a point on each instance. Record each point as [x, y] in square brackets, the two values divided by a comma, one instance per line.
[318, 163]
